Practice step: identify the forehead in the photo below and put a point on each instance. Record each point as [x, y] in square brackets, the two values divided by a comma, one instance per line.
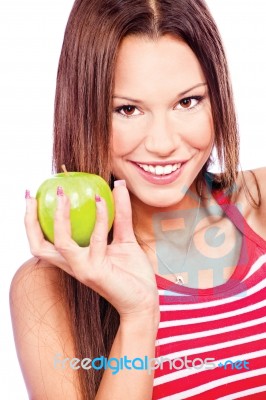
[167, 61]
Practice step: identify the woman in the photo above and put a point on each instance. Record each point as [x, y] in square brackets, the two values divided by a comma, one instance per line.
[148, 81]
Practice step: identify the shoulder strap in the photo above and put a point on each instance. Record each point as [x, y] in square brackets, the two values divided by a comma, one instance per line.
[233, 213]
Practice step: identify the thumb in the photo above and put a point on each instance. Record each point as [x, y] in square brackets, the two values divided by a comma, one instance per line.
[122, 227]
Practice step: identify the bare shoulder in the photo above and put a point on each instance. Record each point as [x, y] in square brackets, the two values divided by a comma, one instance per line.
[42, 331]
[260, 174]
[252, 185]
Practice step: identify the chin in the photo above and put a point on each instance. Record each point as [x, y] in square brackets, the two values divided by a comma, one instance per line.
[162, 205]
[161, 201]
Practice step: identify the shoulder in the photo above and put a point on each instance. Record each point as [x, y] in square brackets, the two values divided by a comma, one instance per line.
[33, 266]
[42, 330]
[250, 188]
[36, 282]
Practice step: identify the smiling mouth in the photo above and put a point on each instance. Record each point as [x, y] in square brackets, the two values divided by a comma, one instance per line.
[160, 170]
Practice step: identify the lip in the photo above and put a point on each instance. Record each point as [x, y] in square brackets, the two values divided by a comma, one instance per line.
[159, 179]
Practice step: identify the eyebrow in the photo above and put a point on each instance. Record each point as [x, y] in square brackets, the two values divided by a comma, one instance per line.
[180, 94]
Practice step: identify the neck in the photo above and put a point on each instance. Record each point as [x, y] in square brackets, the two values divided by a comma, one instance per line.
[144, 215]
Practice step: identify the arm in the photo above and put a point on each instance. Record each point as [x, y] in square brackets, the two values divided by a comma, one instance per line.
[134, 339]
[41, 330]
[120, 272]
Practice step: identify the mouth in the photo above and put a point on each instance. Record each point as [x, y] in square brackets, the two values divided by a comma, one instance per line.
[158, 169]
[162, 173]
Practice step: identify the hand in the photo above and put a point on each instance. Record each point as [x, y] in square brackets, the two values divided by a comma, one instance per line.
[120, 272]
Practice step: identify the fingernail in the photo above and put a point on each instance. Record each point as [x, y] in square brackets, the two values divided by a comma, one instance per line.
[99, 204]
[60, 191]
[120, 183]
[27, 197]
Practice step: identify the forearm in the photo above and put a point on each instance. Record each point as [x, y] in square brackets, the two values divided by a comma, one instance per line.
[134, 339]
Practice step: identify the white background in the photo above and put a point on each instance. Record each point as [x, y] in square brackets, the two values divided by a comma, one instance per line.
[31, 33]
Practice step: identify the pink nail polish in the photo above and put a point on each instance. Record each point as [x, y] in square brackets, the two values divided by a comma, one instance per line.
[27, 194]
[119, 183]
[60, 191]
[97, 198]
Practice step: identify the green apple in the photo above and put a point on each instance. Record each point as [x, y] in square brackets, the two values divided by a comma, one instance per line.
[81, 188]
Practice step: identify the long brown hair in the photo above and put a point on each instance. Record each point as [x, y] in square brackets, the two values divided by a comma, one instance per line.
[82, 125]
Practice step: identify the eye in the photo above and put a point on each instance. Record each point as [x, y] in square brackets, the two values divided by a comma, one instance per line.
[127, 111]
[189, 103]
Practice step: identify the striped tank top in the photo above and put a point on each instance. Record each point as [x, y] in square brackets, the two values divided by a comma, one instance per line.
[212, 342]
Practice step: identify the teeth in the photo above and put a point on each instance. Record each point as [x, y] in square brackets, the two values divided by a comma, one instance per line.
[159, 169]
[168, 169]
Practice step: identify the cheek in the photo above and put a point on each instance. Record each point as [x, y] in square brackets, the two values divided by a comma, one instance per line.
[197, 130]
[124, 138]
[200, 132]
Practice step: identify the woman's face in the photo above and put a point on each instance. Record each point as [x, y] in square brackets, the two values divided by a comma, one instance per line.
[162, 125]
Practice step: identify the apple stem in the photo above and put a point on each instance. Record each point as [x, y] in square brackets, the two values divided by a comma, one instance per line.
[64, 169]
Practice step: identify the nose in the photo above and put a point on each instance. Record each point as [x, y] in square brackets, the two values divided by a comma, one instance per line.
[162, 138]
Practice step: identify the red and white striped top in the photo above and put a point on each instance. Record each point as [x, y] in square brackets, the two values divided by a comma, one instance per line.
[227, 322]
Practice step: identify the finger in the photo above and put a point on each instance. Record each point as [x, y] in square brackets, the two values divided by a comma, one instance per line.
[40, 247]
[33, 229]
[63, 242]
[122, 228]
[98, 240]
